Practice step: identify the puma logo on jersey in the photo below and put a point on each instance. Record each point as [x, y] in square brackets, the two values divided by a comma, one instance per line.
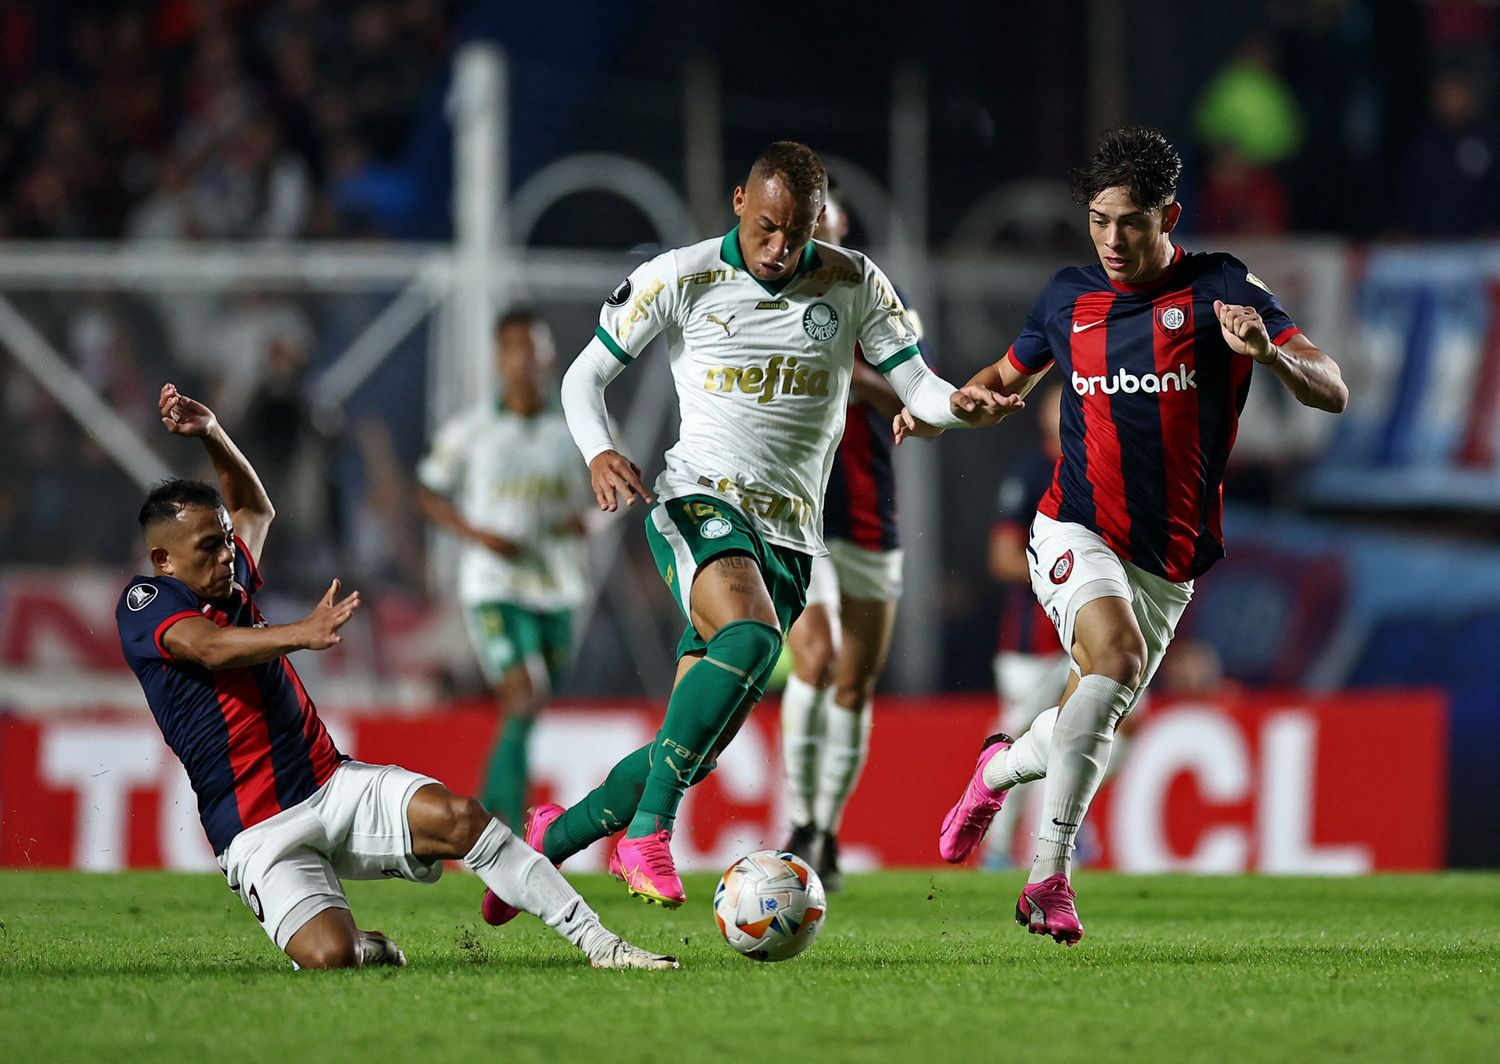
[1122, 380]
[781, 376]
[722, 322]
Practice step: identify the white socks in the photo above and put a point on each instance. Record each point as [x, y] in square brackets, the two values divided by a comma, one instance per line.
[824, 746]
[846, 748]
[526, 879]
[802, 712]
[1026, 760]
[1081, 739]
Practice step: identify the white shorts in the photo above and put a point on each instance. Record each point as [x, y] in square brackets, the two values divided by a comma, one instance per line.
[1072, 566]
[851, 570]
[1027, 685]
[287, 869]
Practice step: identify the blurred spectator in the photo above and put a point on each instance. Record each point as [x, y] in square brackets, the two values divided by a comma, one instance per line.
[1192, 669]
[246, 338]
[181, 120]
[1453, 170]
[1241, 197]
[169, 212]
[1249, 108]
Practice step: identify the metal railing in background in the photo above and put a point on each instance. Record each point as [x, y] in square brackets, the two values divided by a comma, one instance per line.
[972, 299]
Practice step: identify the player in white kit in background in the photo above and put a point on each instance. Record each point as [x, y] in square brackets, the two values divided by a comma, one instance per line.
[502, 477]
[839, 644]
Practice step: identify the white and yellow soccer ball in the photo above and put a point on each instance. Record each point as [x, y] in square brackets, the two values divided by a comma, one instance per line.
[770, 905]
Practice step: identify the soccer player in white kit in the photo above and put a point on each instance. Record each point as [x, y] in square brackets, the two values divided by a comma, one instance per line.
[761, 326]
[503, 478]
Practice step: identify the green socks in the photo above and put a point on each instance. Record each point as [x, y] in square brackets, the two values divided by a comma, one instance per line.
[702, 704]
[504, 791]
[602, 812]
[613, 804]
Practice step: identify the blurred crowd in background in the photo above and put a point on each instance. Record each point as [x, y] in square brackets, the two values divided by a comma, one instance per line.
[185, 120]
[254, 120]
[243, 120]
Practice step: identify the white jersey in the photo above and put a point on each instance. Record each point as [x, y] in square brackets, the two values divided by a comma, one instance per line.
[519, 478]
[762, 371]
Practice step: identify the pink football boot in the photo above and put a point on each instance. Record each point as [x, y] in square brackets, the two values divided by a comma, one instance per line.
[967, 821]
[493, 908]
[1046, 908]
[648, 869]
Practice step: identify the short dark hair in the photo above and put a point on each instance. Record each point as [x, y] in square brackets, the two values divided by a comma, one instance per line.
[796, 164]
[1134, 158]
[171, 497]
[516, 316]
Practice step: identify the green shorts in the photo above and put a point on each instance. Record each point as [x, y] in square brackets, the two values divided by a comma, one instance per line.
[506, 635]
[685, 533]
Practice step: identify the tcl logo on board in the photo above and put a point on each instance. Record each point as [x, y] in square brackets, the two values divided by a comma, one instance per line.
[1284, 784]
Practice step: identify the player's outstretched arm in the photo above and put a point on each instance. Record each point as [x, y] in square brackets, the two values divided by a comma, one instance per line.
[990, 396]
[1307, 372]
[200, 641]
[244, 496]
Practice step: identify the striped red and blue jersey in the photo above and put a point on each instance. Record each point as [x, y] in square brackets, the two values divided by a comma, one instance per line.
[249, 738]
[1151, 406]
[860, 504]
[1025, 627]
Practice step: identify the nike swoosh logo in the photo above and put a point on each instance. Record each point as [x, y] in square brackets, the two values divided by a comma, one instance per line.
[572, 912]
[1063, 823]
[1080, 326]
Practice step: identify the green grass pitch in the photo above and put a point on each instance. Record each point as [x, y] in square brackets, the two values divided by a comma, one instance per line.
[911, 966]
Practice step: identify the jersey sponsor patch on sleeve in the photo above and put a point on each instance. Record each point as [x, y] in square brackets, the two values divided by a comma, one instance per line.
[620, 295]
[1258, 283]
[139, 597]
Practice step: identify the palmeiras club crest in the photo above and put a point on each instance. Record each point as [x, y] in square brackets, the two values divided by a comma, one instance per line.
[1062, 568]
[1172, 318]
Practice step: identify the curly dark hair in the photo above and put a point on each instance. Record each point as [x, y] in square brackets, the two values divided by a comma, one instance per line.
[1135, 158]
[796, 164]
[171, 497]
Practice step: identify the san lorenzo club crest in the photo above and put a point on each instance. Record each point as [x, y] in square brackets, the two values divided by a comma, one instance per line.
[821, 321]
[139, 597]
[1172, 319]
[1062, 569]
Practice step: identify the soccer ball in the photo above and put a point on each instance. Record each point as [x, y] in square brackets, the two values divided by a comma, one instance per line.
[770, 905]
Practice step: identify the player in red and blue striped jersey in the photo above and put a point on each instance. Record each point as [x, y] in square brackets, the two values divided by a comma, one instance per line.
[840, 643]
[1156, 347]
[288, 815]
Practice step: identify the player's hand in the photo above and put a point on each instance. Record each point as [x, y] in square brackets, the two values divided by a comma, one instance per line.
[613, 475]
[907, 424]
[183, 416]
[321, 626]
[975, 404]
[497, 544]
[1244, 331]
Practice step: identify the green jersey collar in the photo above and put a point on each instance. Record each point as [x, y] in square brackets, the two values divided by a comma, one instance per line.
[729, 251]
